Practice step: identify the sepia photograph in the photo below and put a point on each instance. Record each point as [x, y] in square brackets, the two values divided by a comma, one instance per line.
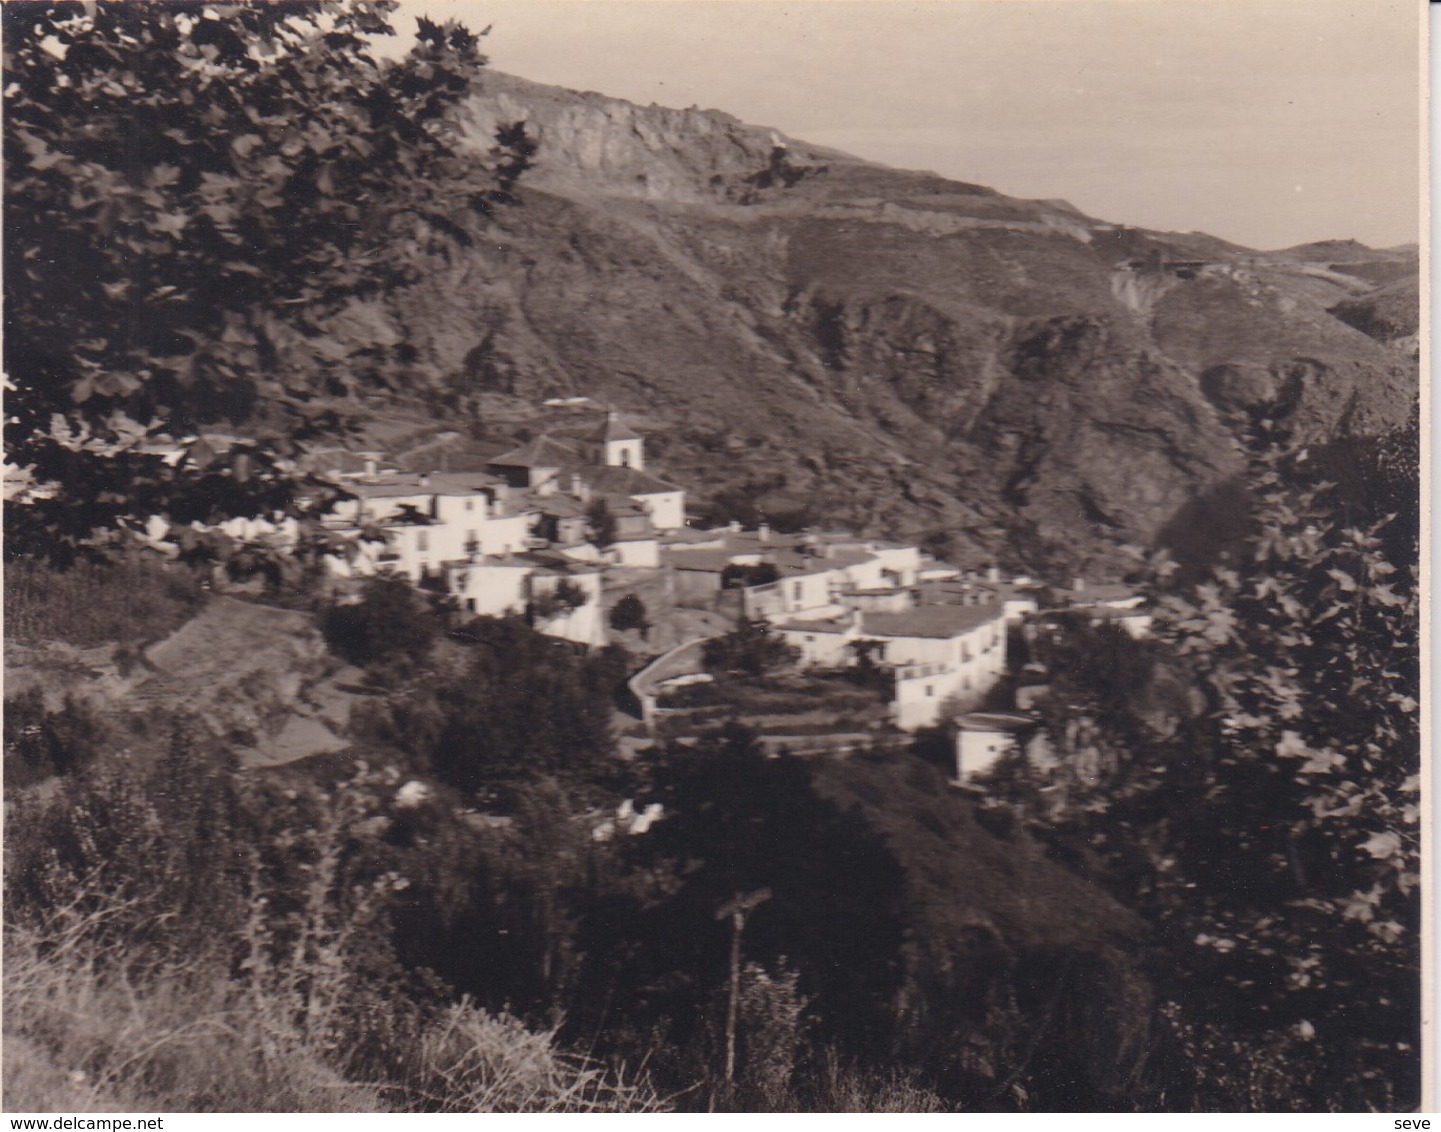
[714, 556]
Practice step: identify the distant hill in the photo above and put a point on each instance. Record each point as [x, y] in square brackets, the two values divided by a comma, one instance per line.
[892, 350]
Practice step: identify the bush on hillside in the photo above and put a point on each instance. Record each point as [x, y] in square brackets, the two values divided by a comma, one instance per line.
[752, 649]
[390, 621]
[526, 706]
[562, 601]
[629, 613]
[741, 576]
[180, 939]
[40, 743]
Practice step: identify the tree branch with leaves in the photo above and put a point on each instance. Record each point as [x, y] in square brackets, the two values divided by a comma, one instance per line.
[206, 206]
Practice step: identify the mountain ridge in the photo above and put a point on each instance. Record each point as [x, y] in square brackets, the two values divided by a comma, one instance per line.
[838, 341]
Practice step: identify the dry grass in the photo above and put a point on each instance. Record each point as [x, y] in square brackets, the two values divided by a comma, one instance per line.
[477, 1062]
[84, 1033]
[93, 1022]
[841, 1088]
[92, 1036]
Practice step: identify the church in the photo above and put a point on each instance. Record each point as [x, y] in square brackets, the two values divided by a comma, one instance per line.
[606, 462]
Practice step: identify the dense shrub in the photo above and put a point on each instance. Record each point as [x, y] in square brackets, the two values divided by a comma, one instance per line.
[629, 613]
[391, 621]
[751, 650]
[739, 575]
[525, 706]
[562, 601]
[40, 743]
[181, 939]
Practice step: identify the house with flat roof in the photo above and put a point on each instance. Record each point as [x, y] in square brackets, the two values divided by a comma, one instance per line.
[984, 738]
[521, 584]
[942, 657]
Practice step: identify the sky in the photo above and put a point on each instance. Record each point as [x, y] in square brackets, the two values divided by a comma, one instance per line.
[1266, 122]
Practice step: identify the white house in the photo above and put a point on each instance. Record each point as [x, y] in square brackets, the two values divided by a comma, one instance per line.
[662, 501]
[822, 642]
[941, 653]
[803, 590]
[982, 738]
[1113, 602]
[430, 520]
[941, 656]
[515, 585]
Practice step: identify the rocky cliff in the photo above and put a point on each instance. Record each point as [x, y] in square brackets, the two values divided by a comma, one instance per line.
[850, 343]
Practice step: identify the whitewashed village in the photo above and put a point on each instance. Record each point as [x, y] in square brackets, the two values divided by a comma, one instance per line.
[562, 527]
[532, 599]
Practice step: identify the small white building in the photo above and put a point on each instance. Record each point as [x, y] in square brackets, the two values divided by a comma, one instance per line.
[802, 590]
[822, 642]
[942, 655]
[983, 738]
[516, 585]
[635, 550]
[427, 520]
[608, 460]
[1113, 602]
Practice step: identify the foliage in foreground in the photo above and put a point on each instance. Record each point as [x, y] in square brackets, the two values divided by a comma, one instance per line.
[188, 942]
[205, 209]
[1250, 781]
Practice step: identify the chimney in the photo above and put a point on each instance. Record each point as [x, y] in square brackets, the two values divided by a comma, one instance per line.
[764, 532]
[369, 464]
[1078, 583]
[734, 527]
[993, 574]
[424, 479]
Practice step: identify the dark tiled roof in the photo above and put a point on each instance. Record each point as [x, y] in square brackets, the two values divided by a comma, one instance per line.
[622, 481]
[462, 483]
[712, 561]
[559, 506]
[612, 428]
[401, 486]
[542, 452]
[994, 722]
[826, 626]
[940, 621]
[840, 559]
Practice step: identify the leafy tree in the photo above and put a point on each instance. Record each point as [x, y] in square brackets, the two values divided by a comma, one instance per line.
[602, 522]
[737, 575]
[736, 821]
[1304, 778]
[751, 649]
[206, 204]
[868, 671]
[528, 706]
[390, 621]
[629, 613]
[1264, 810]
[562, 601]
